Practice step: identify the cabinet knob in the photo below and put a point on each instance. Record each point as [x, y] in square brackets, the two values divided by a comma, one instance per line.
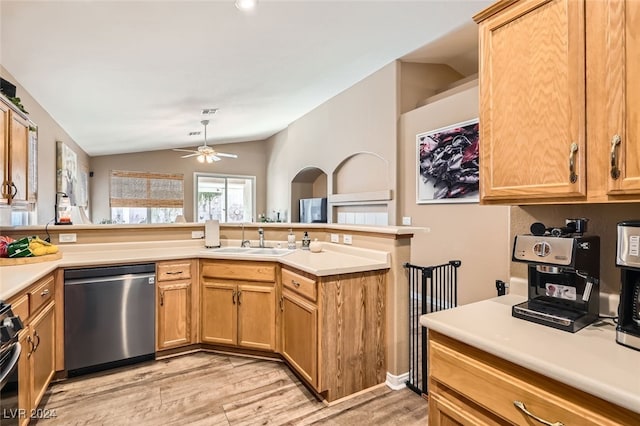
[615, 170]
[233, 297]
[239, 294]
[45, 292]
[295, 283]
[573, 177]
[520, 405]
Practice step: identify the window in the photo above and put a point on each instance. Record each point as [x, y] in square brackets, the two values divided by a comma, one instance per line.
[224, 198]
[143, 197]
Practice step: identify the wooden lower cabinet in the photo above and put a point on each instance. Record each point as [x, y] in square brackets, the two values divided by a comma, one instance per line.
[177, 304]
[43, 354]
[37, 360]
[219, 313]
[468, 386]
[333, 330]
[239, 304]
[300, 335]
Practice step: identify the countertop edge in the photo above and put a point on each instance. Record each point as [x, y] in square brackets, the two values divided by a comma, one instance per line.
[573, 378]
[188, 250]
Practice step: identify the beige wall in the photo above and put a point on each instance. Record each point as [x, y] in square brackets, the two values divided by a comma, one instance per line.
[420, 81]
[477, 235]
[49, 131]
[602, 222]
[251, 161]
[360, 119]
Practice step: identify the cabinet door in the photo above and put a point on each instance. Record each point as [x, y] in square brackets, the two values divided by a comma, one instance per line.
[532, 102]
[623, 95]
[18, 157]
[299, 336]
[219, 312]
[257, 316]
[4, 158]
[174, 314]
[43, 355]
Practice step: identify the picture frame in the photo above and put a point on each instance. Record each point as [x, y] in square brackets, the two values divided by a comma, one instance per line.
[448, 164]
[67, 172]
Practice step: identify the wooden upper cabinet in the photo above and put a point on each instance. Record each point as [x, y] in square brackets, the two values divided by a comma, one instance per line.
[621, 94]
[14, 155]
[4, 158]
[532, 100]
[548, 81]
[18, 157]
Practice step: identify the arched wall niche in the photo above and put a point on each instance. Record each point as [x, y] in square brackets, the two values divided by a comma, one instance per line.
[361, 190]
[310, 182]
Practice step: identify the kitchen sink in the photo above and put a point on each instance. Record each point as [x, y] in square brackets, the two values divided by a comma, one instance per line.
[250, 251]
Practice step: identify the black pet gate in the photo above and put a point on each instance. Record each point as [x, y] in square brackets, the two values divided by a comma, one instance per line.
[431, 289]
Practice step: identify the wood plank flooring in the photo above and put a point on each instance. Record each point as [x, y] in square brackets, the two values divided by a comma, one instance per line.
[217, 389]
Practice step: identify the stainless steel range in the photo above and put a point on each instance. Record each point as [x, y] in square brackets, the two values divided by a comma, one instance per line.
[10, 326]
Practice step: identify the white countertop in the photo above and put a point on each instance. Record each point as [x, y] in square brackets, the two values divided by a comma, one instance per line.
[334, 259]
[589, 360]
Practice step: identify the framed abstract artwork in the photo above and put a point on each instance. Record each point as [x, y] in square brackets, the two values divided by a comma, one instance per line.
[448, 164]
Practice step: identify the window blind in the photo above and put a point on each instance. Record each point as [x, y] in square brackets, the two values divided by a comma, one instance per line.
[145, 189]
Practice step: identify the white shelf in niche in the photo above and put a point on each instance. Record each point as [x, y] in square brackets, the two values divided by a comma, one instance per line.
[374, 197]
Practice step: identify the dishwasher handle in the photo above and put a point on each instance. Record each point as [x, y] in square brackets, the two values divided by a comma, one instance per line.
[151, 279]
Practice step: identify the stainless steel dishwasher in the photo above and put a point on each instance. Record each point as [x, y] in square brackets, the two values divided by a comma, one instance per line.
[109, 317]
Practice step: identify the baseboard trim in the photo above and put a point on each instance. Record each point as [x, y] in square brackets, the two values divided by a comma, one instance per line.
[397, 382]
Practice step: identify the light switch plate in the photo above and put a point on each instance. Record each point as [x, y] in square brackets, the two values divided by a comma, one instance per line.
[346, 238]
[197, 234]
[335, 238]
[406, 220]
[67, 238]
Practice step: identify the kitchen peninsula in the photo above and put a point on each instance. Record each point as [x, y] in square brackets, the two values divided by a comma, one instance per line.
[315, 290]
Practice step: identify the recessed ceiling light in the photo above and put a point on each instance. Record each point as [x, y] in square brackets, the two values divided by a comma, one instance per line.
[246, 4]
[209, 111]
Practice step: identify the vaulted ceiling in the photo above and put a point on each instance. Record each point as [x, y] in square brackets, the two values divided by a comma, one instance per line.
[127, 76]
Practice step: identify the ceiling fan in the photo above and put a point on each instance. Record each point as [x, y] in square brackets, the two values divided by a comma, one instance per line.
[205, 153]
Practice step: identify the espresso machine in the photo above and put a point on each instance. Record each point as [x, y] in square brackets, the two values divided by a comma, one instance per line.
[563, 275]
[628, 258]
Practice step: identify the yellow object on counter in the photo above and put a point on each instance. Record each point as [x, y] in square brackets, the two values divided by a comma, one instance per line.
[39, 247]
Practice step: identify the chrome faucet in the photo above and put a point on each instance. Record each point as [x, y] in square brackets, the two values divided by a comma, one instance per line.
[261, 237]
[244, 243]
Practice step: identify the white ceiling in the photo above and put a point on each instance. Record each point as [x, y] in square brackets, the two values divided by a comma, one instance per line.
[127, 76]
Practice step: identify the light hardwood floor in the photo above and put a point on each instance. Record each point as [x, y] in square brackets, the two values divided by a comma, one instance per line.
[217, 389]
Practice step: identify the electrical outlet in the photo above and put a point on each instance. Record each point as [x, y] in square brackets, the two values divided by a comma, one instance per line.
[346, 238]
[197, 234]
[335, 238]
[406, 220]
[67, 238]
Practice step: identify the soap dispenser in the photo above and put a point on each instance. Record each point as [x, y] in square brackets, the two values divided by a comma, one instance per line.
[291, 240]
[305, 241]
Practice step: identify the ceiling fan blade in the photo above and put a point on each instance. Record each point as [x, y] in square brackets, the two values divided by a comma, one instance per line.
[182, 150]
[189, 155]
[215, 158]
[222, 154]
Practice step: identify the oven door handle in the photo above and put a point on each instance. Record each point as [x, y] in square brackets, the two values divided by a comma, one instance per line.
[10, 365]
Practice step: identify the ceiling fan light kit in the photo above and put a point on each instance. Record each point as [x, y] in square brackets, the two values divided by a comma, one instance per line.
[205, 153]
[246, 4]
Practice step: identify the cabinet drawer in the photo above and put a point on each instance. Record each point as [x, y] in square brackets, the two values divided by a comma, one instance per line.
[300, 284]
[495, 384]
[40, 293]
[20, 306]
[240, 270]
[173, 271]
